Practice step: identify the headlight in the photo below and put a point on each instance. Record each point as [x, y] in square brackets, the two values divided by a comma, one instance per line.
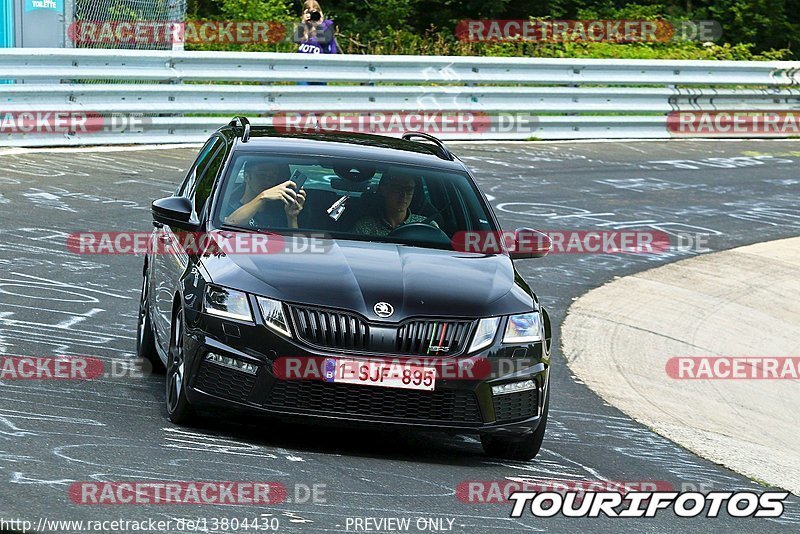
[227, 303]
[272, 310]
[484, 335]
[523, 328]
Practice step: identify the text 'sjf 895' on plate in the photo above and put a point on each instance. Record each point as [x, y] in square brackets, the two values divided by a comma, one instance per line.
[377, 373]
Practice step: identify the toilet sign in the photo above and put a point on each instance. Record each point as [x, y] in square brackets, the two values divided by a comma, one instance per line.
[54, 5]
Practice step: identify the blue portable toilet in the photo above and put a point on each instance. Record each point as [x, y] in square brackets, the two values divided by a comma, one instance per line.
[38, 23]
[6, 23]
[6, 27]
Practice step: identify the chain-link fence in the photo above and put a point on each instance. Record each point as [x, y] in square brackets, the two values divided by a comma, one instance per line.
[102, 24]
[79, 14]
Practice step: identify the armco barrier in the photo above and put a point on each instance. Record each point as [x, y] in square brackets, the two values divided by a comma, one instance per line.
[567, 98]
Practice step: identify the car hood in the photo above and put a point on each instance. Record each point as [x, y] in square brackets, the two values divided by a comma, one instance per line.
[356, 275]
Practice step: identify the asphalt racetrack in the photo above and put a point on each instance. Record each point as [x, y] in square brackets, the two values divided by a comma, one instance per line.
[53, 302]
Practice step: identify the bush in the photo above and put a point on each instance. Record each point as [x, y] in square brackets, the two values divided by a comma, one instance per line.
[363, 30]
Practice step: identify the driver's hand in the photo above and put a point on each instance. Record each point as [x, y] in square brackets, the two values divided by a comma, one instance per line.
[284, 192]
[294, 209]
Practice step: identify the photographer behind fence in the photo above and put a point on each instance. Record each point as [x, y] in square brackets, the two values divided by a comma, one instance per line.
[315, 34]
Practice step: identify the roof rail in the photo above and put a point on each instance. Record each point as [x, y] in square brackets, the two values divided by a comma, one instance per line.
[443, 152]
[241, 122]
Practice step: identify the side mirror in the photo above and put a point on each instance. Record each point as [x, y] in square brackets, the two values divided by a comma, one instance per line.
[530, 243]
[175, 212]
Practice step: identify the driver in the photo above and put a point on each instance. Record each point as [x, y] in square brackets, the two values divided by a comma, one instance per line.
[254, 201]
[396, 192]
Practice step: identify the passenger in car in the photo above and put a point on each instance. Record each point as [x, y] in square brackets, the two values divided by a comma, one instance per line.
[396, 192]
[254, 203]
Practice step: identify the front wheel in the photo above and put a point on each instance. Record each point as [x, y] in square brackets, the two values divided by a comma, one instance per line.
[178, 408]
[521, 448]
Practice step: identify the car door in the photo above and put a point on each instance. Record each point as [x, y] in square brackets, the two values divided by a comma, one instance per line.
[167, 267]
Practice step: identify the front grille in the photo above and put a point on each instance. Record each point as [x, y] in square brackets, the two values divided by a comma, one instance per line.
[425, 337]
[324, 398]
[347, 331]
[224, 382]
[330, 329]
[516, 405]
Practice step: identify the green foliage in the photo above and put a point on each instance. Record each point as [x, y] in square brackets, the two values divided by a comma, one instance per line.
[240, 10]
[255, 9]
[447, 13]
[768, 23]
[121, 11]
[359, 16]
[606, 10]
[752, 29]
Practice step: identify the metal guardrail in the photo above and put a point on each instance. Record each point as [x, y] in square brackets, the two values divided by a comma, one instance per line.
[170, 66]
[260, 99]
[617, 98]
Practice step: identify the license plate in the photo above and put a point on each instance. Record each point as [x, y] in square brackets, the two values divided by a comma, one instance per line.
[378, 373]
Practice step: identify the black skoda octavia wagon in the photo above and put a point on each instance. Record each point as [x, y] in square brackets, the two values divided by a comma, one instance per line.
[330, 276]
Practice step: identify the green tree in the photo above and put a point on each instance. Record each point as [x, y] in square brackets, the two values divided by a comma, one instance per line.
[255, 9]
[358, 16]
[766, 23]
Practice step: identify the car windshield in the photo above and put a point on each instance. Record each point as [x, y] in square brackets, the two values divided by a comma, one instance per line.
[350, 199]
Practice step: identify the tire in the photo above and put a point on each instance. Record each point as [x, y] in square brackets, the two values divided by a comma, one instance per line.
[179, 410]
[145, 340]
[522, 448]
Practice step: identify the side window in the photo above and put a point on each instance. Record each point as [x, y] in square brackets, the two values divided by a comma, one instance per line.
[206, 179]
[189, 183]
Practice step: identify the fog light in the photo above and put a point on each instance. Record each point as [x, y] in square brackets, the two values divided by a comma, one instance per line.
[232, 363]
[513, 387]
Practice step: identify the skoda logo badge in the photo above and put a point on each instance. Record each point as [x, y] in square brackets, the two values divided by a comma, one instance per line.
[383, 309]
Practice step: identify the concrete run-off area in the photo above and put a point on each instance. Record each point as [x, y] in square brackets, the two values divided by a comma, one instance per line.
[650, 344]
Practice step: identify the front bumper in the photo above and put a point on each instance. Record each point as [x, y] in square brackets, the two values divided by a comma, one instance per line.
[459, 405]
